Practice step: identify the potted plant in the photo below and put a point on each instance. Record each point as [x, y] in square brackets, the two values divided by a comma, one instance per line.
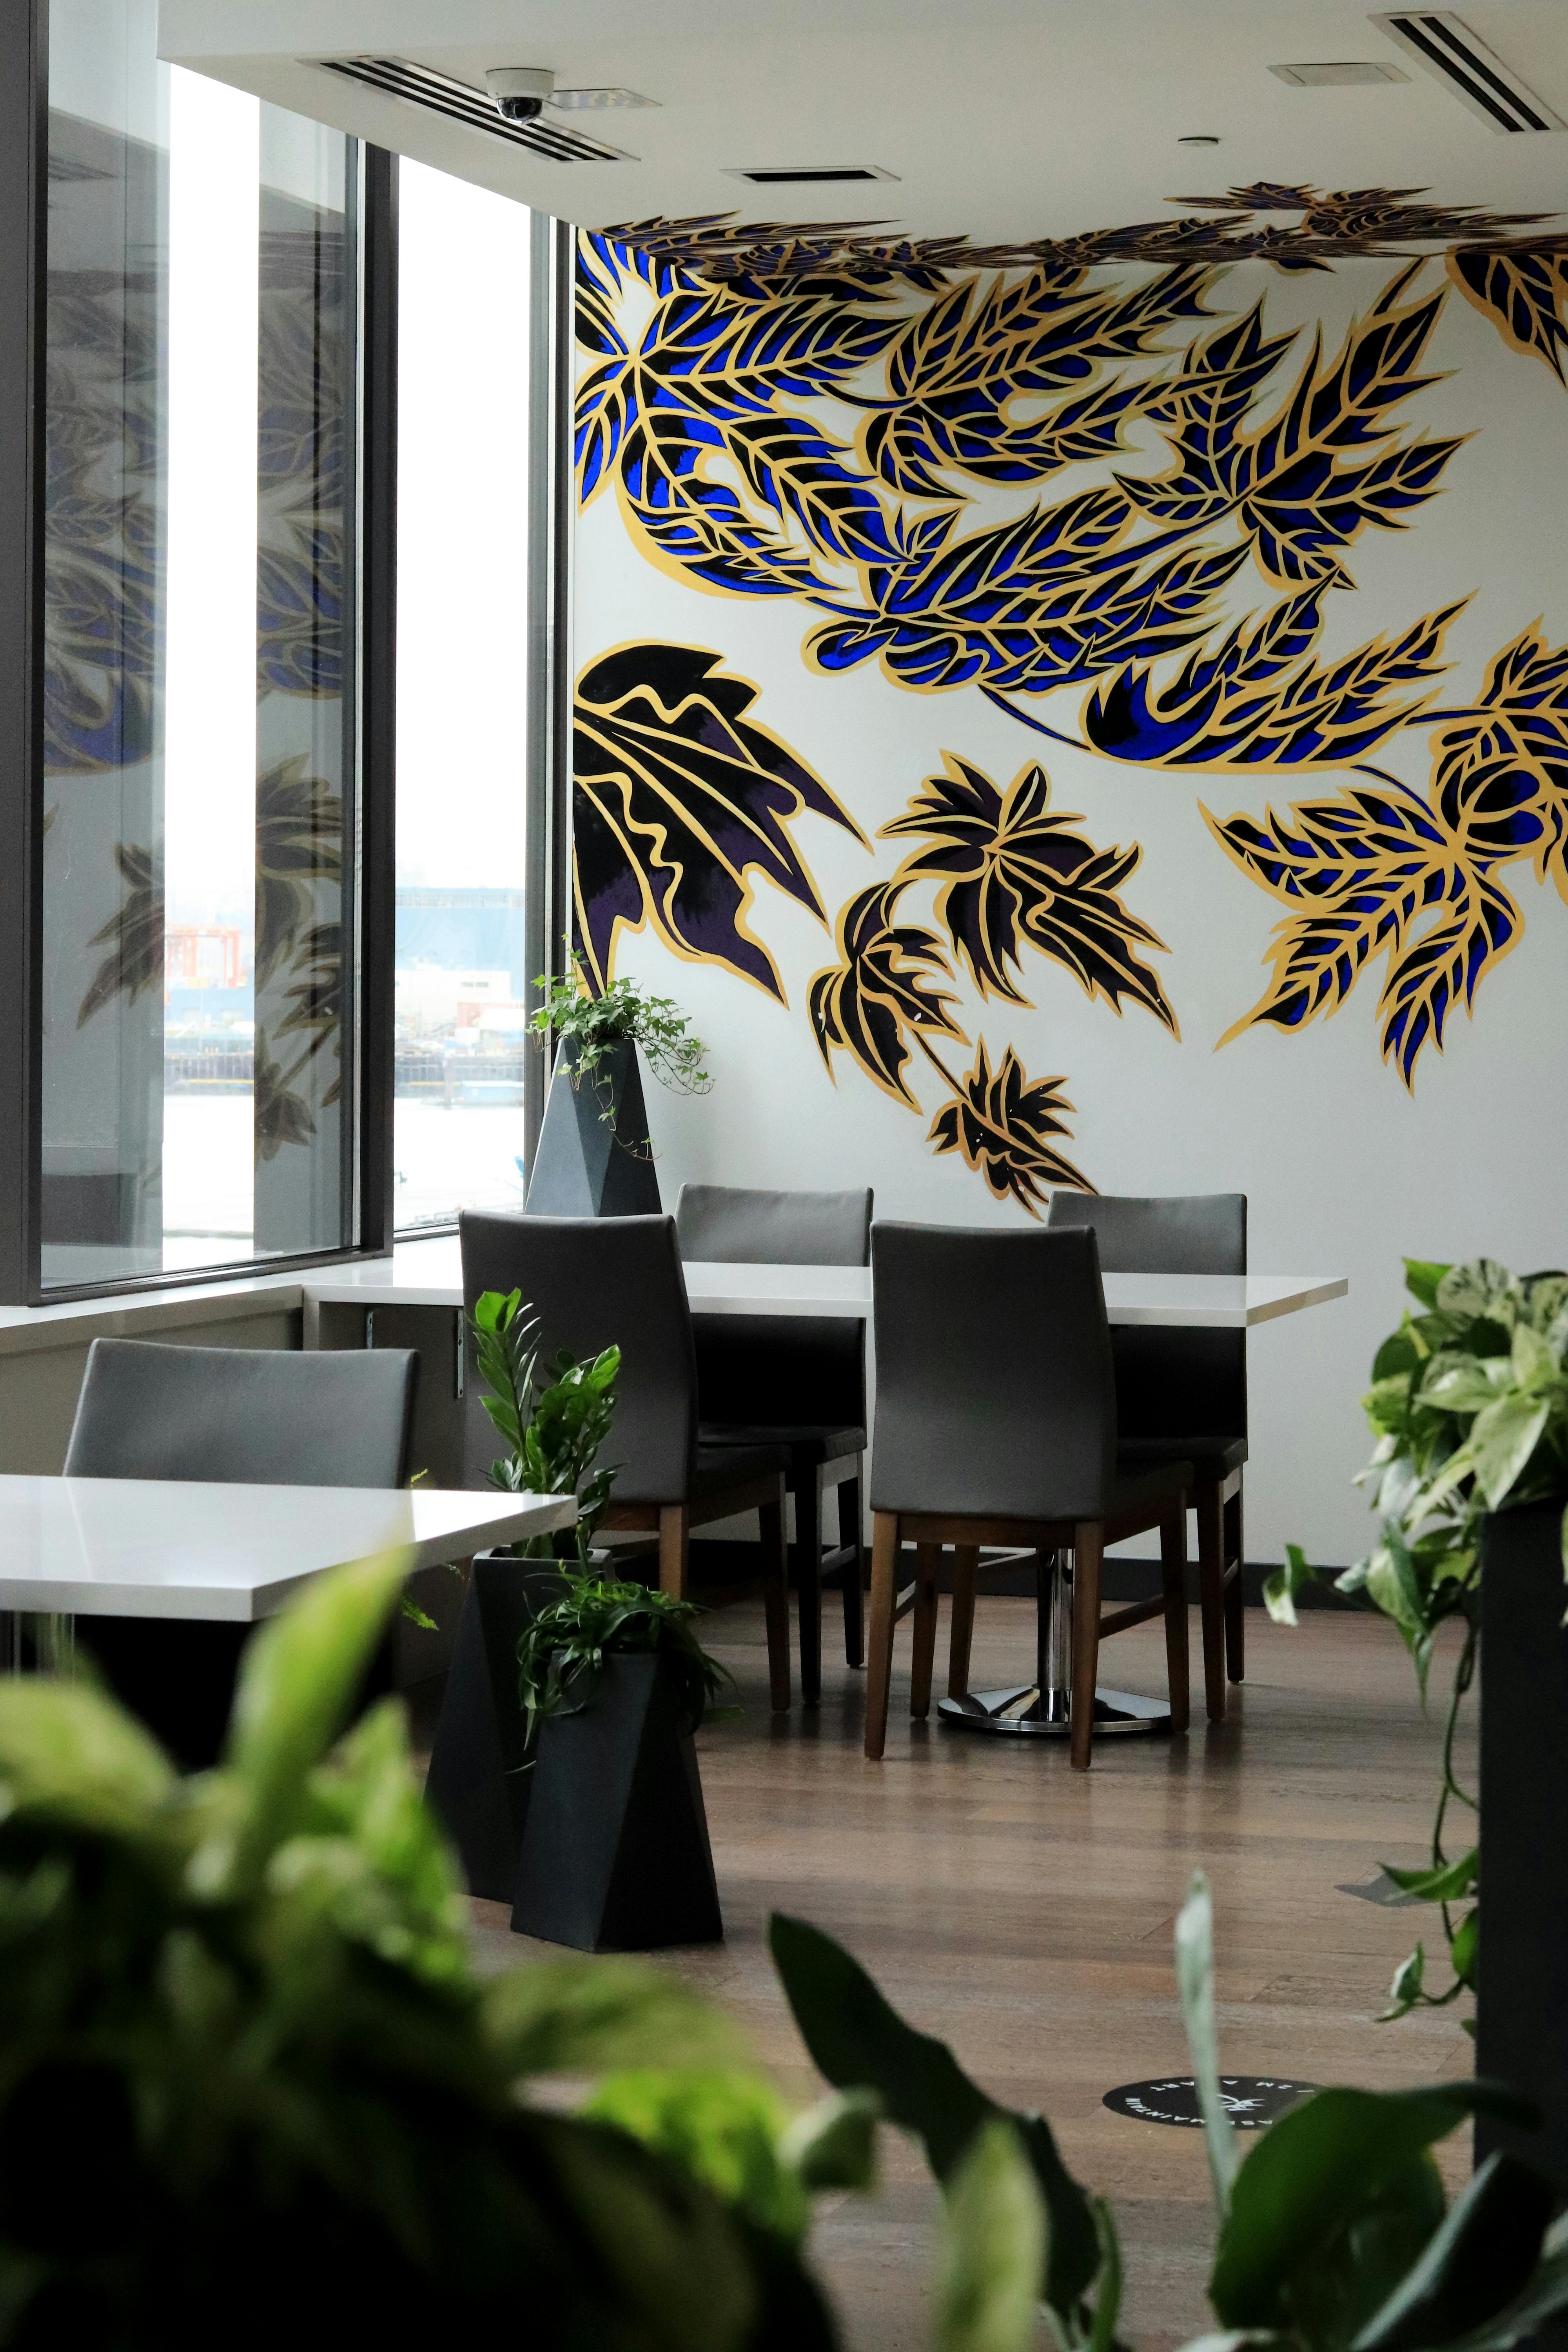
[1469, 1405]
[593, 1157]
[552, 1431]
[612, 1682]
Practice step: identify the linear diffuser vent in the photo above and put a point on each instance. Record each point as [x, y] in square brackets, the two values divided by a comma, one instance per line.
[438, 93]
[1345, 74]
[1477, 76]
[791, 175]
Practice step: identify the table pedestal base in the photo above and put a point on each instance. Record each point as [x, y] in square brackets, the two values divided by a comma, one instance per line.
[1043, 1709]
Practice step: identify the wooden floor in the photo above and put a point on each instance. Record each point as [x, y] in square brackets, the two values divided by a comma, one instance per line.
[1025, 1913]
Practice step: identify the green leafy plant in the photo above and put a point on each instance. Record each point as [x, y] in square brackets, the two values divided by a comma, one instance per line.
[561, 1656]
[1469, 1406]
[247, 2067]
[553, 1431]
[1333, 2232]
[596, 1024]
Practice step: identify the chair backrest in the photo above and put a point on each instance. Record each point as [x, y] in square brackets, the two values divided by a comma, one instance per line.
[994, 1390]
[771, 1371]
[245, 1416]
[1170, 1383]
[594, 1283]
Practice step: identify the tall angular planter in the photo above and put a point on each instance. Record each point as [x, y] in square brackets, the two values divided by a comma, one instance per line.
[615, 1855]
[1521, 2009]
[585, 1165]
[479, 1782]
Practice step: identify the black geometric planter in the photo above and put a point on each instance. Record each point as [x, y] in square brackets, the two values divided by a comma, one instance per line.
[616, 1855]
[582, 1165]
[477, 1782]
[1521, 2009]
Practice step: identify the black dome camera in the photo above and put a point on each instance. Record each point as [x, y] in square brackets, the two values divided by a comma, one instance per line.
[520, 92]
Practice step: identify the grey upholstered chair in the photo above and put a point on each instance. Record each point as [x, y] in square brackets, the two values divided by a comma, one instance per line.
[996, 1424]
[239, 1416]
[243, 1416]
[1182, 1394]
[595, 1282]
[789, 1381]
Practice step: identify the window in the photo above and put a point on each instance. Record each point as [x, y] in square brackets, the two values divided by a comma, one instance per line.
[199, 762]
[462, 698]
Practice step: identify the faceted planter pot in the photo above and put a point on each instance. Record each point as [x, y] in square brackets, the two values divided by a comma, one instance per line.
[585, 1165]
[1521, 2009]
[615, 1855]
[480, 1780]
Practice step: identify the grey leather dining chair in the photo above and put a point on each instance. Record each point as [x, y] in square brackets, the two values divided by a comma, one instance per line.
[597, 1282]
[1182, 1392]
[996, 1424]
[239, 1416]
[796, 1381]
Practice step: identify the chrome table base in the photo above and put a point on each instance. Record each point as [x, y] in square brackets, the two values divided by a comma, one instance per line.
[1043, 1709]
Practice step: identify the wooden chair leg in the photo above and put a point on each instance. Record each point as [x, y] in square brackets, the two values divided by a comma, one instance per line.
[854, 1574]
[1211, 1592]
[965, 1573]
[1088, 1554]
[674, 1548]
[807, 1551]
[775, 1597]
[928, 1560]
[1235, 1597]
[884, 1599]
[1174, 1577]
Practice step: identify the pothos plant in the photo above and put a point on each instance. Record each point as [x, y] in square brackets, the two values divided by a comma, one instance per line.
[595, 1026]
[553, 1429]
[1469, 1404]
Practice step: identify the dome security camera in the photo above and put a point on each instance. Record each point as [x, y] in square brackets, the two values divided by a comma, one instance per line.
[520, 92]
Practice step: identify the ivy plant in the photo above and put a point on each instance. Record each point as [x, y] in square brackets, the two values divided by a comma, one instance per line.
[596, 1026]
[553, 1431]
[561, 1656]
[1468, 1403]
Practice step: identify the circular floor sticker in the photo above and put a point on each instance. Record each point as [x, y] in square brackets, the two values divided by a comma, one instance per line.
[1251, 2100]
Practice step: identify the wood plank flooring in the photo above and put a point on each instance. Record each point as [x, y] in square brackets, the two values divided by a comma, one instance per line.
[1025, 1913]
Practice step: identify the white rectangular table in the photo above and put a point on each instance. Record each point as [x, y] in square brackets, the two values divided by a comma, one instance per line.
[430, 1273]
[230, 1554]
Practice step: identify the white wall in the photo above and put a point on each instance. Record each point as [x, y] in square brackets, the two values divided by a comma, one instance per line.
[1345, 1170]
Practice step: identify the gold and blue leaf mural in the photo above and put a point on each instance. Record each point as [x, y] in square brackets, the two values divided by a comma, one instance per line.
[1092, 468]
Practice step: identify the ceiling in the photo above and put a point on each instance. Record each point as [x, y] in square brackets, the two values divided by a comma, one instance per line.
[1001, 120]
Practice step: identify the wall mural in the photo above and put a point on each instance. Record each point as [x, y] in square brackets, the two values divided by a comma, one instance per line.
[810, 414]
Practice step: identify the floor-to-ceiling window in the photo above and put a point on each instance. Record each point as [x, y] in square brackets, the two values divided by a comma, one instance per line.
[462, 697]
[199, 756]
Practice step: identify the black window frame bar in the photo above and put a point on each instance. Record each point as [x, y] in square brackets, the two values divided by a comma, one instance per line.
[371, 802]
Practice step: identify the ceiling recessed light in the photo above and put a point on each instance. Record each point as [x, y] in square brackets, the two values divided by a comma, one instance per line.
[1344, 73]
[1198, 139]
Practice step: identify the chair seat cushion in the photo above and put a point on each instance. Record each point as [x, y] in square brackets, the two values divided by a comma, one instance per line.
[1145, 1485]
[809, 1443]
[1211, 1457]
[719, 1466]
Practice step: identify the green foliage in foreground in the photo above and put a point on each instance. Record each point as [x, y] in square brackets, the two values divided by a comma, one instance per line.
[553, 1431]
[252, 2091]
[1468, 1404]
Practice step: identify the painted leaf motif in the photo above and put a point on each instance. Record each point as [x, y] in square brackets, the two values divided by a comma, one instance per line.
[698, 527]
[135, 961]
[1444, 966]
[679, 800]
[1299, 483]
[1523, 291]
[299, 847]
[1260, 701]
[883, 983]
[1002, 1124]
[799, 472]
[1010, 871]
[280, 1116]
[1501, 776]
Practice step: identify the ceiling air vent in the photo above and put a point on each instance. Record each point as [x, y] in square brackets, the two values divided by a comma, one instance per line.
[1350, 73]
[438, 93]
[1477, 76]
[798, 175]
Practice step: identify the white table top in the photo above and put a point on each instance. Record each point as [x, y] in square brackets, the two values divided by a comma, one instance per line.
[430, 1273]
[161, 1548]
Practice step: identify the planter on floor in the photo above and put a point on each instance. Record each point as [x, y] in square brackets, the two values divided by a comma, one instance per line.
[614, 1854]
[477, 1782]
[585, 1165]
[1522, 2018]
